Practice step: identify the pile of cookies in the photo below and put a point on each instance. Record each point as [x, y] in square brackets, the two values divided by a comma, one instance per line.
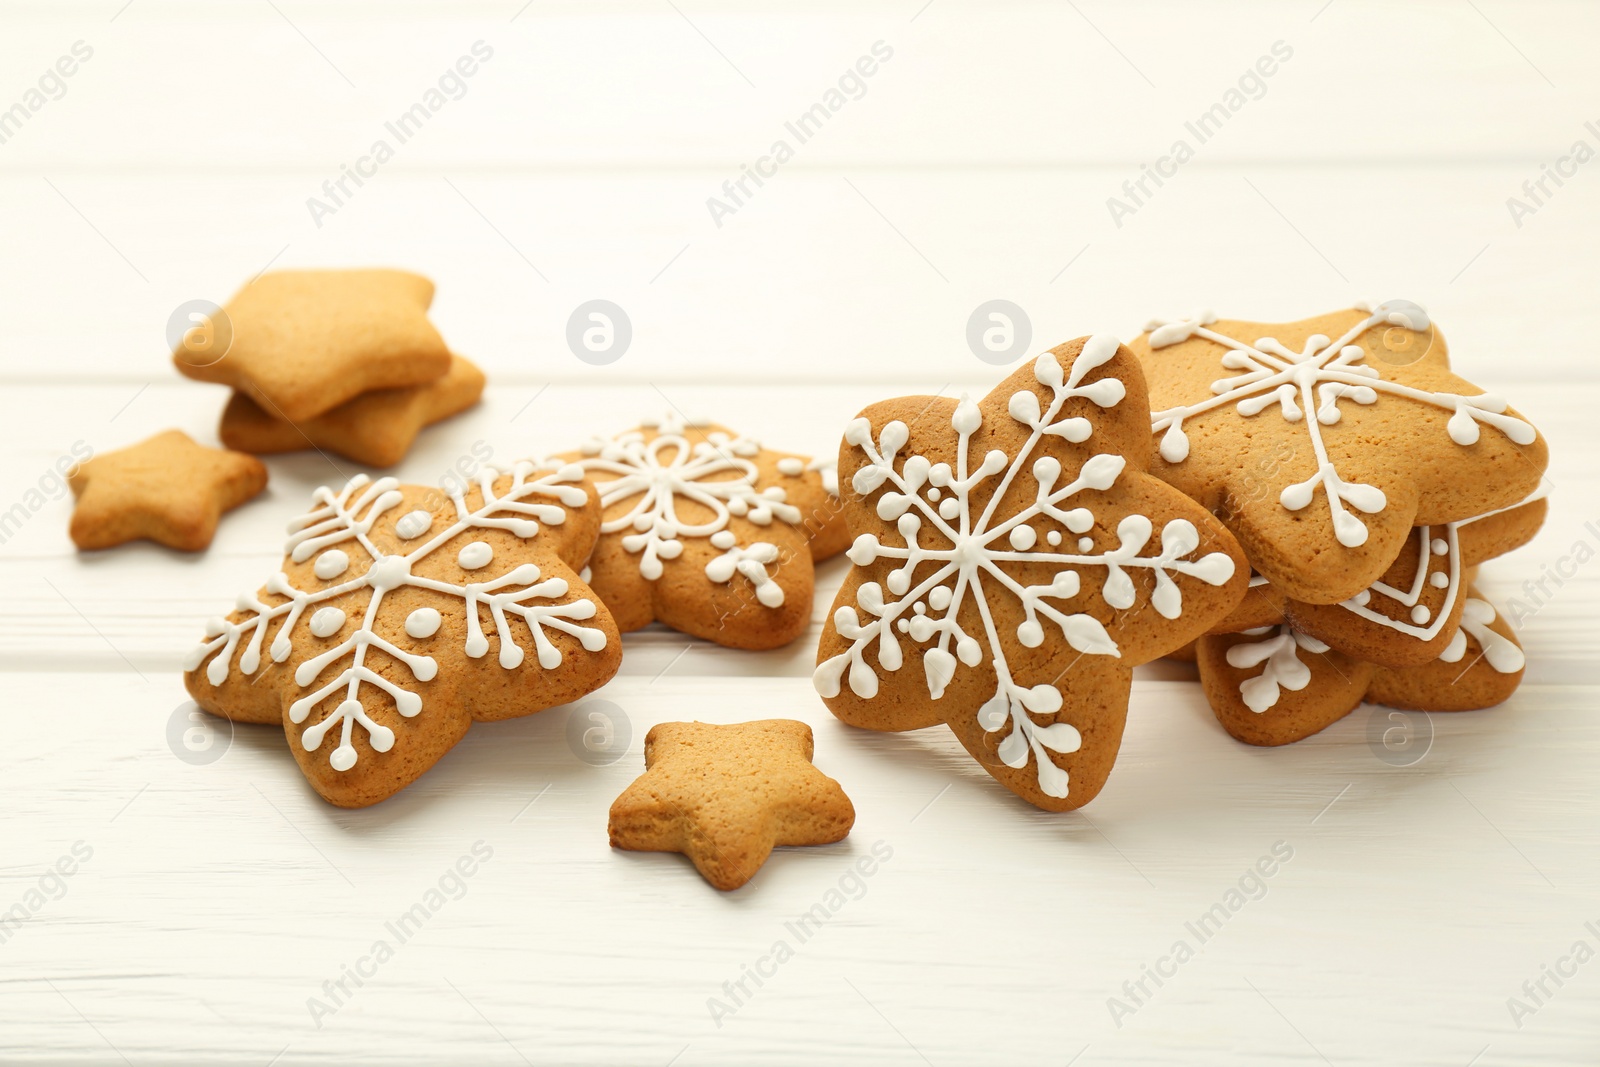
[1301, 507]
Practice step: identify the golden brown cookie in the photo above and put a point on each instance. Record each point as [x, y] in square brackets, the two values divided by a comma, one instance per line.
[401, 617]
[1013, 563]
[306, 341]
[1275, 686]
[726, 795]
[1323, 443]
[375, 429]
[168, 489]
[708, 532]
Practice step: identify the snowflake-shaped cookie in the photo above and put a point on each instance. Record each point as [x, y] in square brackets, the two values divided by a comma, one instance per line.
[1013, 563]
[1276, 685]
[708, 532]
[1370, 446]
[397, 621]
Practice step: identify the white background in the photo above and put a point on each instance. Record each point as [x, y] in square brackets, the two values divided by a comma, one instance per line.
[976, 166]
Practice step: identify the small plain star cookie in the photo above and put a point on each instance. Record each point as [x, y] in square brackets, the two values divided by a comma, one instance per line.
[168, 489]
[726, 795]
[1323, 443]
[375, 429]
[708, 532]
[306, 341]
[401, 616]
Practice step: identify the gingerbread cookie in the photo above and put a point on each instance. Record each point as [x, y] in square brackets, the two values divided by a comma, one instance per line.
[410, 616]
[1321, 447]
[375, 429]
[306, 341]
[1013, 563]
[1275, 686]
[708, 532]
[726, 795]
[168, 489]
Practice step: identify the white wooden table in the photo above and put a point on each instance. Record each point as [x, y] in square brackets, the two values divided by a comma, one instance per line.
[213, 898]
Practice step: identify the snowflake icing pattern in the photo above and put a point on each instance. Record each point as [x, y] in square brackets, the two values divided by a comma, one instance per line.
[717, 473]
[1316, 380]
[350, 515]
[932, 495]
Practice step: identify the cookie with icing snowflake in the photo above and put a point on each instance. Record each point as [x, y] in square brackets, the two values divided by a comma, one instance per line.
[403, 614]
[1276, 685]
[1409, 616]
[1014, 561]
[708, 532]
[1323, 443]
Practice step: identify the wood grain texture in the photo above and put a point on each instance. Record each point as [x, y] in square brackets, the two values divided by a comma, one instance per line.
[976, 165]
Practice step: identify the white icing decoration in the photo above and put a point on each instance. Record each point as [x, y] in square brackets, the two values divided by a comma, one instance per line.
[331, 564]
[413, 524]
[349, 515]
[327, 621]
[1053, 538]
[1279, 651]
[716, 473]
[1279, 648]
[829, 469]
[1314, 382]
[475, 556]
[976, 544]
[423, 622]
[792, 466]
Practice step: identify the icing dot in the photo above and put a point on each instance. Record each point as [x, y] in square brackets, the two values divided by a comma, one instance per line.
[1362, 599]
[791, 466]
[331, 564]
[475, 556]
[933, 493]
[940, 597]
[904, 625]
[1085, 544]
[1440, 547]
[413, 524]
[327, 621]
[949, 508]
[1420, 614]
[1054, 537]
[920, 608]
[424, 622]
[1440, 580]
[1022, 538]
[723, 539]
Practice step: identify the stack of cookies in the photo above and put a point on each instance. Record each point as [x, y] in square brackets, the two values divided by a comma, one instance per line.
[342, 361]
[1365, 483]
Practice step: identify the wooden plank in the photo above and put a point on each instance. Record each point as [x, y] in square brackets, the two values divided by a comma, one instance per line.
[219, 898]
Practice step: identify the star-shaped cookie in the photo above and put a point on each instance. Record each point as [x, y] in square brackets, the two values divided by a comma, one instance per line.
[708, 532]
[402, 615]
[375, 429]
[1013, 563]
[306, 341]
[168, 489]
[726, 795]
[1323, 443]
[1276, 685]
